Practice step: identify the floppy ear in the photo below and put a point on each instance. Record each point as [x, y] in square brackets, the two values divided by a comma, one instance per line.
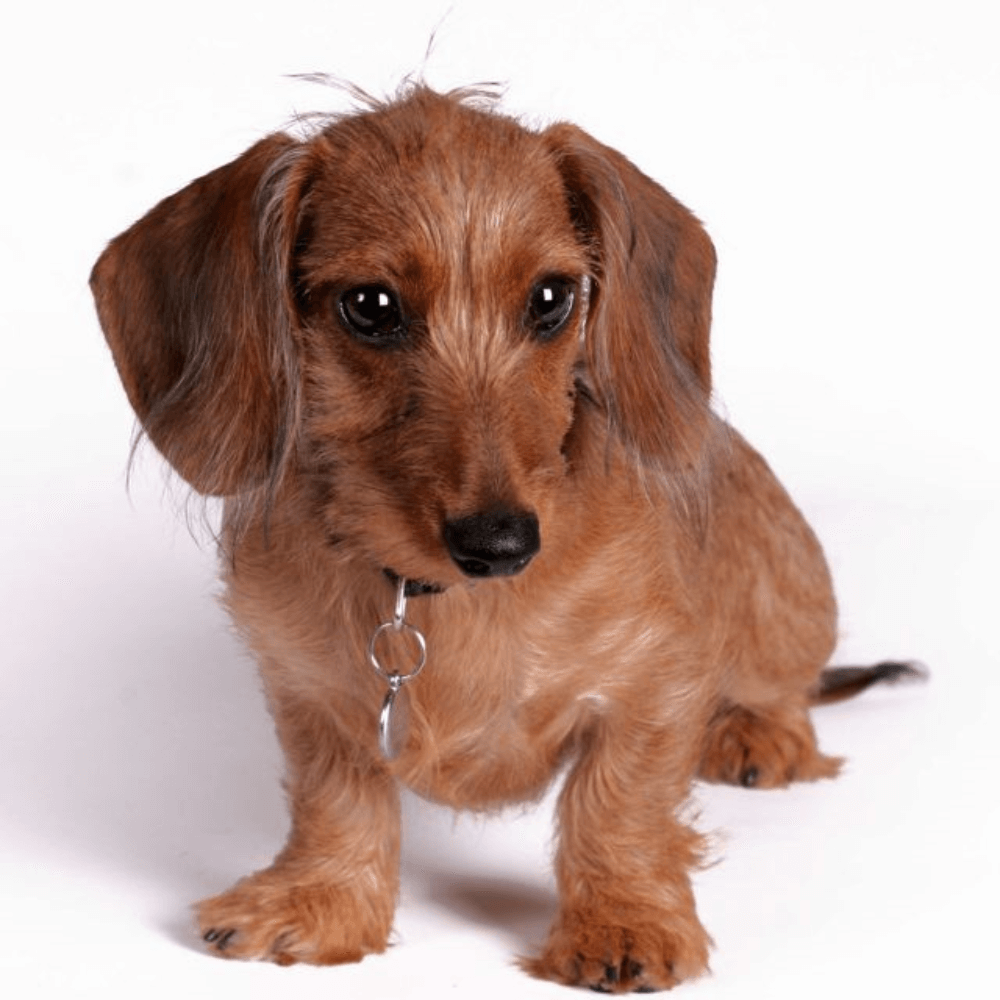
[193, 300]
[646, 352]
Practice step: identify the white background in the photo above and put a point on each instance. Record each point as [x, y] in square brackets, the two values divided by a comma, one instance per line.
[844, 157]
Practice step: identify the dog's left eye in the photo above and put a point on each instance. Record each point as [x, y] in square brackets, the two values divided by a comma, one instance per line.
[550, 306]
[372, 313]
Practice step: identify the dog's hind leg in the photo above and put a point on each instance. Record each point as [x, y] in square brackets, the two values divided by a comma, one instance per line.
[769, 590]
[765, 747]
[770, 746]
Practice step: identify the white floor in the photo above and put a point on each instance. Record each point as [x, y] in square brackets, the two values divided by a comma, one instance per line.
[856, 216]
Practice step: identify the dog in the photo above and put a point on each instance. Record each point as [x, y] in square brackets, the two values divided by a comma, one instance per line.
[451, 376]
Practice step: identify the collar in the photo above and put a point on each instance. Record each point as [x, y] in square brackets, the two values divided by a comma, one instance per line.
[414, 588]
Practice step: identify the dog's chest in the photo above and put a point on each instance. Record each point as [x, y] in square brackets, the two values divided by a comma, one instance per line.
[500, 703]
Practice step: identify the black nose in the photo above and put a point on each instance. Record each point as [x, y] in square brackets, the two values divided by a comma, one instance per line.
[499, 543]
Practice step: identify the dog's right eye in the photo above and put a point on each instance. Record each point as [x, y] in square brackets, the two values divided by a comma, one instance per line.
[373, 314]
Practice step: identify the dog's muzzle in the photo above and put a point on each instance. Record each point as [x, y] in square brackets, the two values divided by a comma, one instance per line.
[497, 543]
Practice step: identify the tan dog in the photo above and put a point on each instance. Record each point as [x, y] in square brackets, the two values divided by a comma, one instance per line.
[431, 345]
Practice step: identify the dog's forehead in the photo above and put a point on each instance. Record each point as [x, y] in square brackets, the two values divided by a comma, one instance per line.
[432, 176]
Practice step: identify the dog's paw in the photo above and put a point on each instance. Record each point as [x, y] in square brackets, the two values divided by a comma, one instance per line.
[272, 917]
[620, 955]
[765, 749]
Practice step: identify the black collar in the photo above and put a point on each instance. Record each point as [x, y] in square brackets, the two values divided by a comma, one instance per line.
[414, 588]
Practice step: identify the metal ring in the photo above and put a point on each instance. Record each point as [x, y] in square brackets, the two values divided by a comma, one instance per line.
[396, 678]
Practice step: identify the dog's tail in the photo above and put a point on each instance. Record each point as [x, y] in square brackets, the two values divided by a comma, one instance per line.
[839, 683]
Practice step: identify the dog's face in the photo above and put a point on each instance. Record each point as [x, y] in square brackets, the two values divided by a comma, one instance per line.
[411, 313]
[442, 297]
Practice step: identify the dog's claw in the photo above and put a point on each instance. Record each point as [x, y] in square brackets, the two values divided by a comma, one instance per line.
[219, 937]
[623, 978]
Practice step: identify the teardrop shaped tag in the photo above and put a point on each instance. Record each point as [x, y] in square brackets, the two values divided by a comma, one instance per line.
[394, 720]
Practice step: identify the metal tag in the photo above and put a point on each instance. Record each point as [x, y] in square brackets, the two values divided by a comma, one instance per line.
[394, 720]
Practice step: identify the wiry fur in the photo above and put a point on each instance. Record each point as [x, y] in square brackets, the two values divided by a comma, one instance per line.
[678, 616]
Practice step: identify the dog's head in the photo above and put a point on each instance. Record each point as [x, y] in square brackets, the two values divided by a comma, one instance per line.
[425, 314]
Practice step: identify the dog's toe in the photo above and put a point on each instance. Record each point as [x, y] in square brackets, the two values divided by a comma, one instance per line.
[628, 977]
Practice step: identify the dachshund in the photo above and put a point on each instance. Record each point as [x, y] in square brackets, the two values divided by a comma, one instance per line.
[451, 376]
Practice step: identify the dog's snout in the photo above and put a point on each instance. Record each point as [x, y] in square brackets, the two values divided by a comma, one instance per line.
[497, 543]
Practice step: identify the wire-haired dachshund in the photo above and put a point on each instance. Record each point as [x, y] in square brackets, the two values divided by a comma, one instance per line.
[451, 376]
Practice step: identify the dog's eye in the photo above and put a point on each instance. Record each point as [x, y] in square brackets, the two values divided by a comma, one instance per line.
[372, 314]
[550, 306]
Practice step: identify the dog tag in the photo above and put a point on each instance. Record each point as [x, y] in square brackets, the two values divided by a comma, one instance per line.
[394, 719]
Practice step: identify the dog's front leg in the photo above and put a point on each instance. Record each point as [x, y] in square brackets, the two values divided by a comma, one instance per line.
[330, 895]
[627, 918]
